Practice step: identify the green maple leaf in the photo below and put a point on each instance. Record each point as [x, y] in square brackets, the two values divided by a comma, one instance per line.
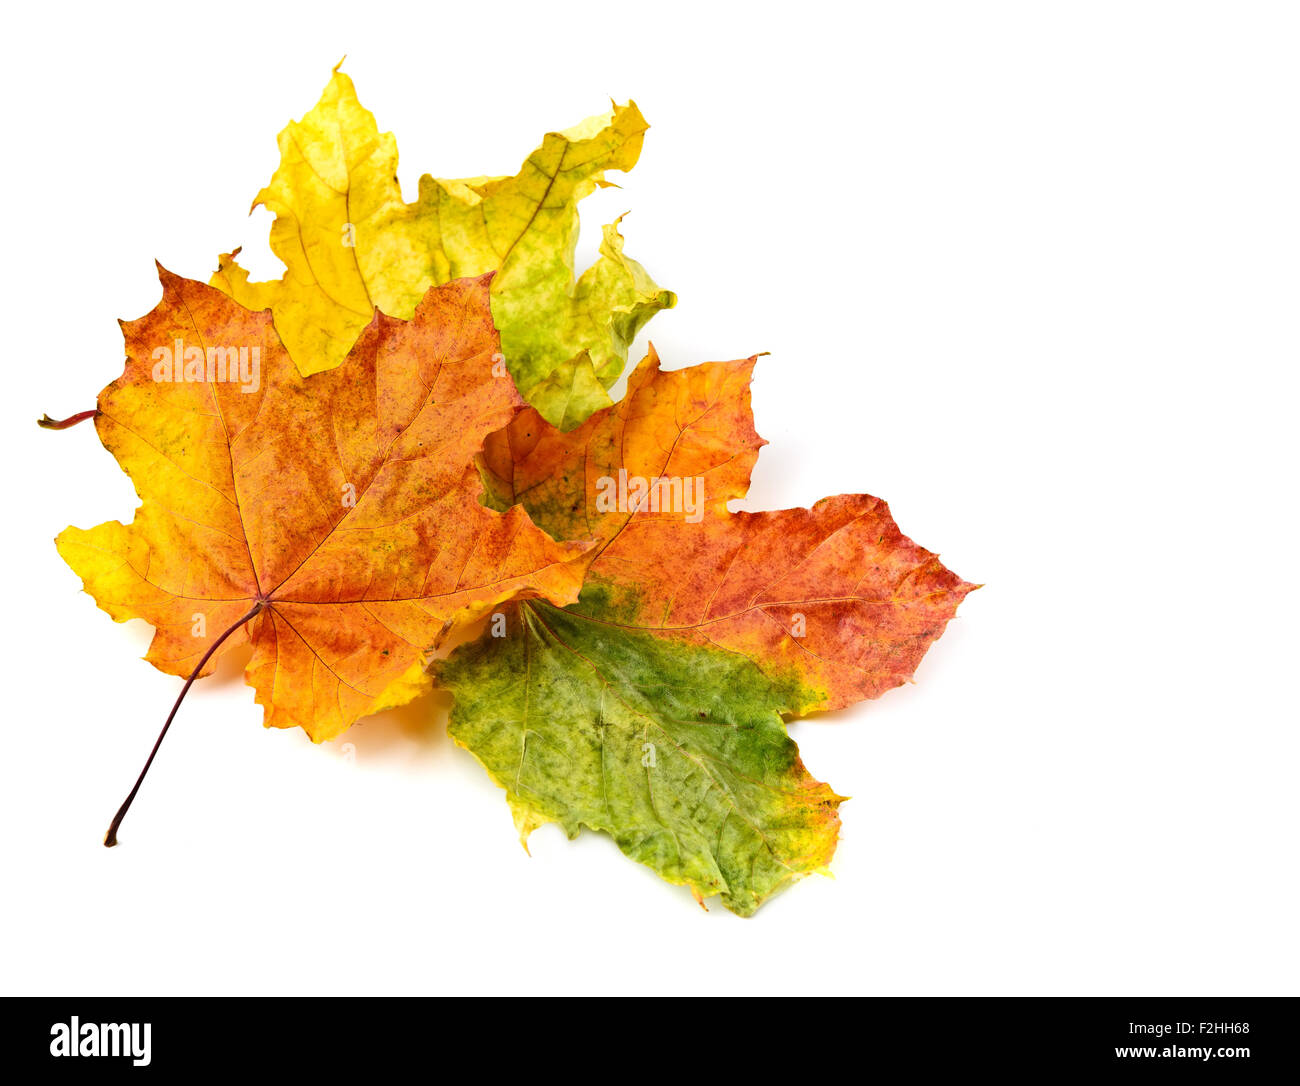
[676, 751]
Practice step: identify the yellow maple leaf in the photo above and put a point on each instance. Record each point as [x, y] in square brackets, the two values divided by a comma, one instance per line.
[351, 245]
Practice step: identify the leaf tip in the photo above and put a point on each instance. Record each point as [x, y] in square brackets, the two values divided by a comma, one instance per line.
[166, 278]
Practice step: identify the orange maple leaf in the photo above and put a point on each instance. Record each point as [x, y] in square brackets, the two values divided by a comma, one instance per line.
[333, 522]
[833, 598]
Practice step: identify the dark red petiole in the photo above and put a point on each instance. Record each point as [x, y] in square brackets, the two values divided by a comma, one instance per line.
[110, 838]
[48, 423]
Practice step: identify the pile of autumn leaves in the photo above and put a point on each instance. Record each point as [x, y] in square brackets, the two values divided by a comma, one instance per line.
[425, 448]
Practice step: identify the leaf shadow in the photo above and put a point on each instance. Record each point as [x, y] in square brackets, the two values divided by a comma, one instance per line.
[418, 727]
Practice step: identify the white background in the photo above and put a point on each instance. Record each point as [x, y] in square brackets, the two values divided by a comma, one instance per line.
[1028, 271]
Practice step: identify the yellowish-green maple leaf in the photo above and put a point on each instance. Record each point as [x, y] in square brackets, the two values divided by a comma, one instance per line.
[350, 245]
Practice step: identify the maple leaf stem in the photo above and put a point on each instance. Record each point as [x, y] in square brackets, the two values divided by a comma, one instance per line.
[110, 838]
[47, 423]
